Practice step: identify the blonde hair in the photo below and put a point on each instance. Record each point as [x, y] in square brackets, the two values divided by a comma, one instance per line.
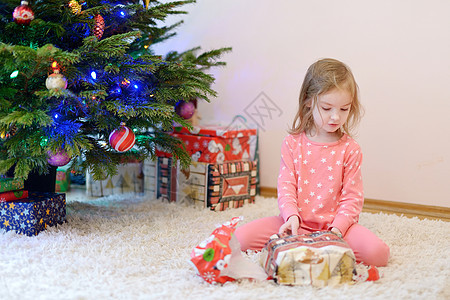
[321, 77]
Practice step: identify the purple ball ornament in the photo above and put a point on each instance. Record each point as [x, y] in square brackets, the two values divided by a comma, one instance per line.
[58, 159]
[185, 109]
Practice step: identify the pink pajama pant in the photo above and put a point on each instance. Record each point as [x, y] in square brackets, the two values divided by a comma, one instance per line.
[368, 248]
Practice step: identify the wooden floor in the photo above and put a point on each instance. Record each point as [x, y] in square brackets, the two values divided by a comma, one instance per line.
[390, 207]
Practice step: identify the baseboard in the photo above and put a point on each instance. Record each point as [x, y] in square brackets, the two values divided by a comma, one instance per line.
[268, 192]
[390, 207]
[407, 209]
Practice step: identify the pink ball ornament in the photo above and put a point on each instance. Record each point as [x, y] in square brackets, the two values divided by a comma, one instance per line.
[122, 139]
[58, 159]
[185, 109]
[23, 15]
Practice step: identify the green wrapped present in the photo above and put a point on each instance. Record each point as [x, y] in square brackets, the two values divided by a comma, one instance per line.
[11, 184]
[62, 183]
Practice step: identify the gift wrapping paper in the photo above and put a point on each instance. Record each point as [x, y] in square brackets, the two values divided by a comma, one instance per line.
[129, 179]
[176, 184]
[231, 184]
[217, 186]
[190, 185]
[216, 130]
[150, 171]
[11, 184]
[164, 180]
[217, 144]
[62, 183]
[13, 195]
[32, 215]
[318, 259]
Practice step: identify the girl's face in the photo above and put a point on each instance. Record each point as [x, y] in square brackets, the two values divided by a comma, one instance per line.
[331, 112]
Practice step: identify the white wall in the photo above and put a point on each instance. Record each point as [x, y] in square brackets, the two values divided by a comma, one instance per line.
[399, 52]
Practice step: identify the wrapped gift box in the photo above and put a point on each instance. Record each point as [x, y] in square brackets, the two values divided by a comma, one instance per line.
[216, 130]
[62, 179]
[11, 184]
[55, 206]
[129, 179]
[192, 185]
[217, 144]
[217, 186]
[150, 171]
[13, 195]
[318, 259]
[184, 186]
[231, 184]
[32, 215]
[165, 173]
[23, 216]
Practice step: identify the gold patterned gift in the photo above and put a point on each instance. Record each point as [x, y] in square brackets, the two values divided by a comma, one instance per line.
[318, 259]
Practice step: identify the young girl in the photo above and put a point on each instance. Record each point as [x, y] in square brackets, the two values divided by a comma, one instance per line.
[319, 183]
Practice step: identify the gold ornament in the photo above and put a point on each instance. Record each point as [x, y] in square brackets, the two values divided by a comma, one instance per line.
[56, 81]
[75, 7]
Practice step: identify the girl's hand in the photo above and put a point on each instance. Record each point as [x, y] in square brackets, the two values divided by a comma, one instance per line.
[291, 225]
[336, 231]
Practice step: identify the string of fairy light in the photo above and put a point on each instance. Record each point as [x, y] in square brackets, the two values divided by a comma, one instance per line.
[121, 139]
[56, 81]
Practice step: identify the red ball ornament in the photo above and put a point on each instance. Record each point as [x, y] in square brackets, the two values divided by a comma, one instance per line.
[23, 14]
[122, 139]
[185, 109]
[58, 159]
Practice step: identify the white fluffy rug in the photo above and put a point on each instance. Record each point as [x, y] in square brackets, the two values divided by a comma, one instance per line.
[123, 247]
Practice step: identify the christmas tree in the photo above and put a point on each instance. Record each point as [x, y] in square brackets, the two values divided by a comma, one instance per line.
[79, 82]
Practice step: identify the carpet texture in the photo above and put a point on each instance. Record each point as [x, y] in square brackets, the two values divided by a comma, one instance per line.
[127, 247]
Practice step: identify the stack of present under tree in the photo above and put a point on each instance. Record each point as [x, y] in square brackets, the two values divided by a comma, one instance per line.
[12, 189]
[223, 173]
[27, 212]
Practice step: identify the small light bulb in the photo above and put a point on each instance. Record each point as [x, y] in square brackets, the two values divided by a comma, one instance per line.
[94, 75]
[14, 74]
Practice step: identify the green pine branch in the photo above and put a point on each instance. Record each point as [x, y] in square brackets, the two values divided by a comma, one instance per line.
[117, 78]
